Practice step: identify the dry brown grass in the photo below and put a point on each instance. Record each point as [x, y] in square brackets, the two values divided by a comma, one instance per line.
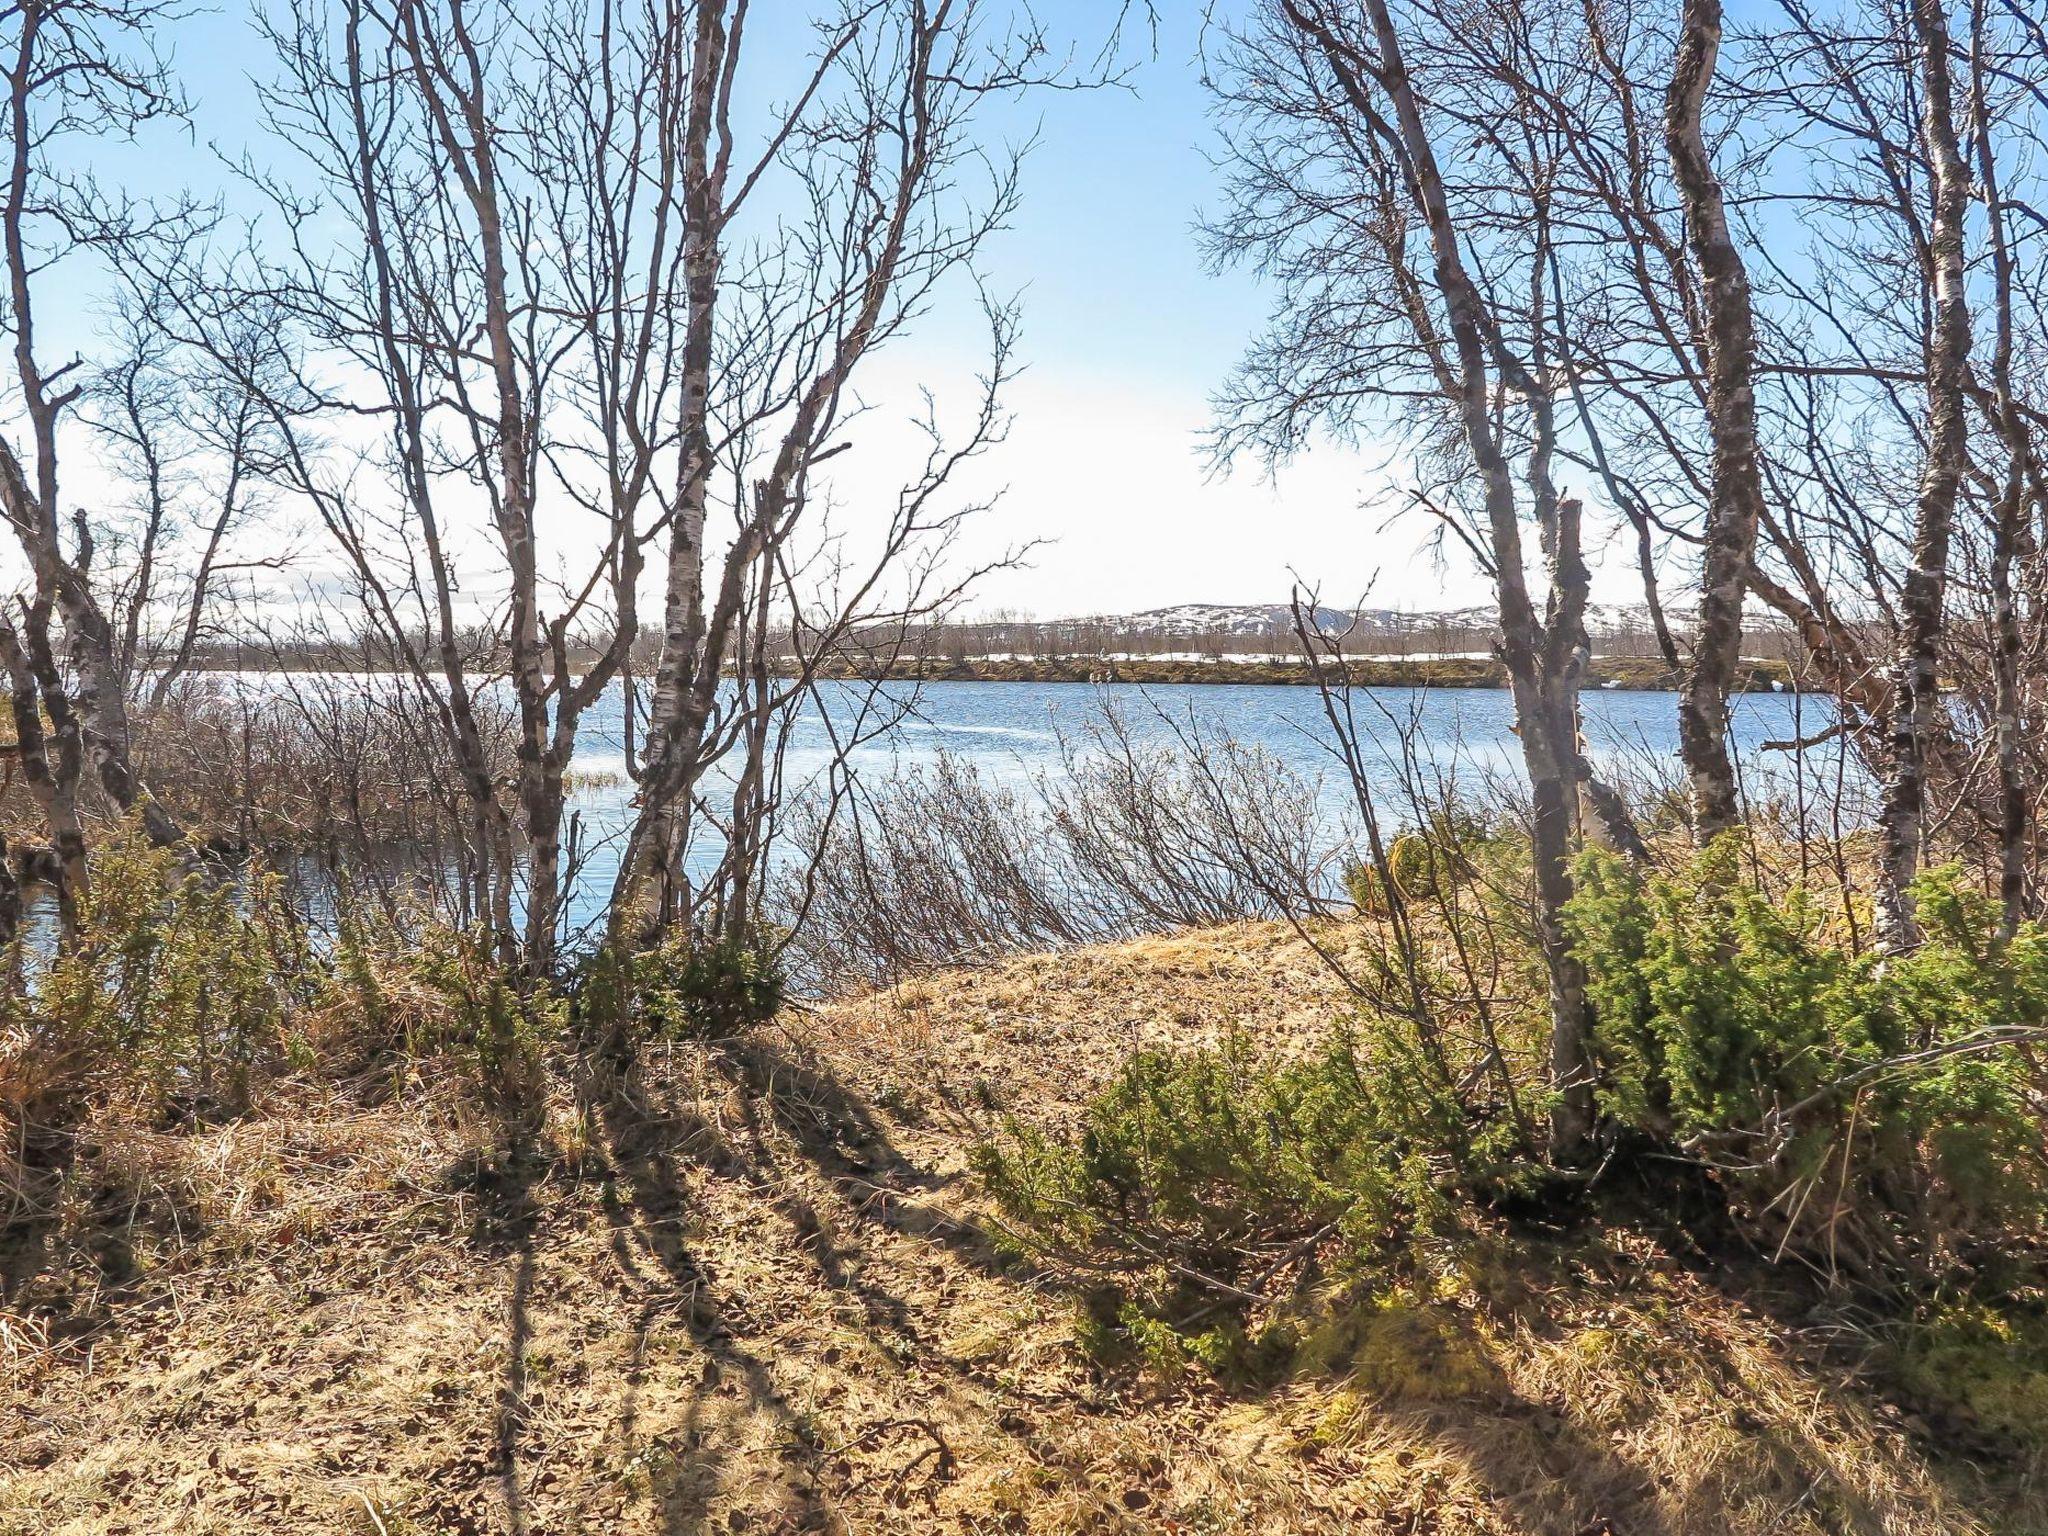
[1040, 1035]
[748, 1295]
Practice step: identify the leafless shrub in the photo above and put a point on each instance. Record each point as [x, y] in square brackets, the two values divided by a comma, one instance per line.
[1136, 831]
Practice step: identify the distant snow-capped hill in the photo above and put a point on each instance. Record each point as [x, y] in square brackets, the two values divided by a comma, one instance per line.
[1190, 619]
[1211, 620]
[1207, 619]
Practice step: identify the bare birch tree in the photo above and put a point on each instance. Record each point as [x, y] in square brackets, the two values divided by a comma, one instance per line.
[1916, 684]
[897, 196]
[1404, 284]
[1871, 340]
[542, 295]
[192, 451]
[2019, 484]
[75, 70]
[500, 301]
[1737, 501]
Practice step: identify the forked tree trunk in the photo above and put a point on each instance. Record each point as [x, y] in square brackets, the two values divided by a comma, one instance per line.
[2006, 705]
[98, 698]
[1916, 695]
[51, 785]
[451, 76]
[2009, 517]
[650, 874]
[1546, 668]
[1736, 504]
[696, 641]
[1540, 656]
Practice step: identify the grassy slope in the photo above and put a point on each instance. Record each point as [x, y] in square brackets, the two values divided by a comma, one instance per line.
[762, 1306]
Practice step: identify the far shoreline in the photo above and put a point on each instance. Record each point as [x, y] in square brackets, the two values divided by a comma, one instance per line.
[1603, 673]
[1636, 674]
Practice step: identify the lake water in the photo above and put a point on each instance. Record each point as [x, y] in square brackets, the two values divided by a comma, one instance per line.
[1013, 732]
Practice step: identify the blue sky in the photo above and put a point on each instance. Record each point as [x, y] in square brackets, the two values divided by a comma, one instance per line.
[1125, 336]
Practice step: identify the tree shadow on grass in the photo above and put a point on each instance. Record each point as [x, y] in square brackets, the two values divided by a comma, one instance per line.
[850, 1148]
[788, 1125]
[1543, 1461]
[1551, 1473]
[1835, 1318]
[1550, 1477]
[1661, 1422]
[788, 1102]
[650, 1135]
[507, 1224]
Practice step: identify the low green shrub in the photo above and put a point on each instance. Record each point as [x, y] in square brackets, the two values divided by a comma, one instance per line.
[702, 990]
[184, 983]
[178, 985]
[1876, 1108]
[1983, 1363]
[708, 991]
[483, 1019]
[1196, 1174]
[404, 994]
[1872, 1116]
[1427, 863]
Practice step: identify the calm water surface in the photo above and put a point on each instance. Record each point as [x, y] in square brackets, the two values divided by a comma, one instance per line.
[1013, 733]
[1016, 733]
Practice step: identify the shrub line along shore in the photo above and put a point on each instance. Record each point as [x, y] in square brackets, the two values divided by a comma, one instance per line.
[1631, 673]
[1625, 673]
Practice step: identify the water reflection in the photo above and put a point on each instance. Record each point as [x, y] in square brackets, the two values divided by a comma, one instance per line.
[1014, 732]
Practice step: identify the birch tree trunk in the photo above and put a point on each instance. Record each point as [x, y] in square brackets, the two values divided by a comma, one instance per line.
[653, 891]
[651, 880]
[2008, 516]
[1540, 658]
[1736, 503]
[459, 105]
[53, 788]
[1915, 693]
[98, 687]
